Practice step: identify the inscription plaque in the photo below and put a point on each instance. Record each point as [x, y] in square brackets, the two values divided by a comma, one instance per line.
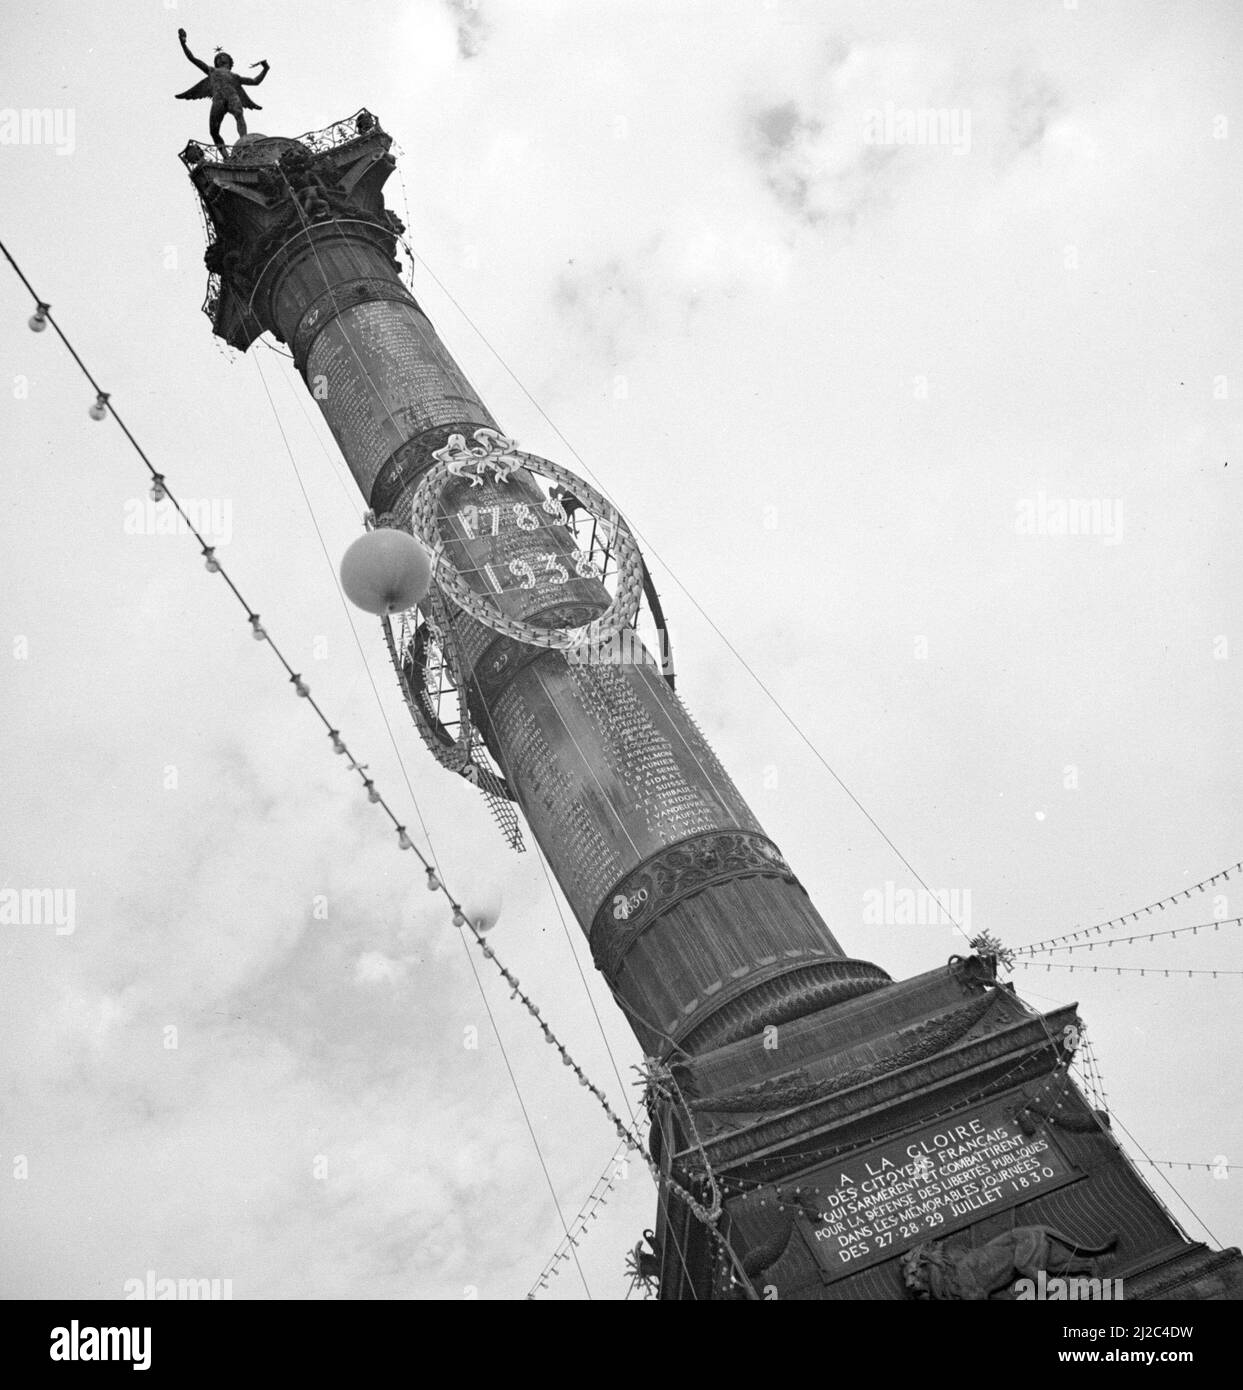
[877, 1202]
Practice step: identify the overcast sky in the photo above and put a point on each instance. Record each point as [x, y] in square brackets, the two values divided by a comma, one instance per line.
[837, 380]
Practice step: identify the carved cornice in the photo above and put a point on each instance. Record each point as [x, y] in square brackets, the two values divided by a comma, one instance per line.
[995, 1061]
[266, 197]
[800, 1088]
[671, 875]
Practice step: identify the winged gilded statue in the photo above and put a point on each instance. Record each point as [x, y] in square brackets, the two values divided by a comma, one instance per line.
[224, 87]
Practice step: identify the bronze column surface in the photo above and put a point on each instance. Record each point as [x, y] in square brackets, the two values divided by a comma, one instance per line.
[694, 917]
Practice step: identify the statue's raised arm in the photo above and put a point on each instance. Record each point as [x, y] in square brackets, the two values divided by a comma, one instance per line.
[185, 48]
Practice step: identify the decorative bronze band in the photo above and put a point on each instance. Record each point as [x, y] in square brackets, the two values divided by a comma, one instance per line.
[804, 988]
[323, 309]
[399, 474]
[503, 657]
[671, 875]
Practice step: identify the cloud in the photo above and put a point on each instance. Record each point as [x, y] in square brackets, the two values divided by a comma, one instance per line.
[472, 27]
[1032, 101]
[818, 171]
[692, 201]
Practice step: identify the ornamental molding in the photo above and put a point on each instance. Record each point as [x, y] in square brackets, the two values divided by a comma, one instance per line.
[670, 876]
[801, 1088]
[401, 472]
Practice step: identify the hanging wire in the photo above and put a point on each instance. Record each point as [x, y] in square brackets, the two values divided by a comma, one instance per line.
[103, 403]
[781, 709]
[789, 719]
[1107, 1131]
[1160, 904]
[259, 631]
[709, 1218]
[590, 1210]
[526, 1116]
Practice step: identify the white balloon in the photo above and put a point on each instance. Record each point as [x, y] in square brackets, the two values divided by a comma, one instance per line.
[386, 571]
[482, 906]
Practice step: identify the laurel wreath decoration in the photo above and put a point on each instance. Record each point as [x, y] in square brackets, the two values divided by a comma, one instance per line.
[497, 456]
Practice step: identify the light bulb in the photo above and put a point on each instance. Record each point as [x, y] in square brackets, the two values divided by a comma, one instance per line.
[433, 883]
[38, 320]
[209, 559]
[97, 411]
[157, 489]
[257, 633]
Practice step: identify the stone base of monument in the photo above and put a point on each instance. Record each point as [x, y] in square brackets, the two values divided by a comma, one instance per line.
[922, 1141]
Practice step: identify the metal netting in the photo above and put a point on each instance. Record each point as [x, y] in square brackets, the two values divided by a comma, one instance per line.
[341, 132]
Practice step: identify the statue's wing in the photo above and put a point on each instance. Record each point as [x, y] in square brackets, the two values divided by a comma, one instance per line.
[200, 89]
[246, 101]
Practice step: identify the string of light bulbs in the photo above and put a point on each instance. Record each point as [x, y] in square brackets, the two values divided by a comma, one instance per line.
[1173, 972]
[708, 1216]
[755, 676]
[1105, 1119]
[1217, 1169]
[1159, 906]
[100, 410]
[589, 1211]
[539, 1152]
[661, 1194]
[1109, 942]
[1090, 1069]
[435, 883]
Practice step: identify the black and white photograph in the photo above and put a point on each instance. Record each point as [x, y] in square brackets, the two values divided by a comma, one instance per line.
[621, 662]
